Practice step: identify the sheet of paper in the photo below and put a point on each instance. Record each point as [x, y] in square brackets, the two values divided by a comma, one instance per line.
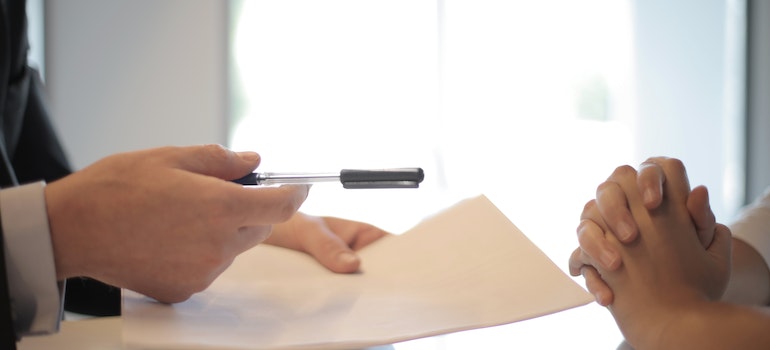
[466, 267]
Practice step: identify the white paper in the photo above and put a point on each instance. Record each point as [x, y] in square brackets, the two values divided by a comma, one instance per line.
[466, 267]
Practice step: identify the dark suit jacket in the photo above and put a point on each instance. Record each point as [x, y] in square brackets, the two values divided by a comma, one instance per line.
[30, 151]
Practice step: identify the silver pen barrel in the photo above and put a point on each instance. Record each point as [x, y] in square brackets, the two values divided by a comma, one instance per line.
[350, 178]
[296, 178]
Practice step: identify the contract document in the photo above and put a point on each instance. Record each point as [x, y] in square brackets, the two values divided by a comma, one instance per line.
[462, 268]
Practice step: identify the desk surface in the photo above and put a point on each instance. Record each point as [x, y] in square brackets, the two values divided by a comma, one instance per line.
[102, 333]
[91, 334]
[586, 327]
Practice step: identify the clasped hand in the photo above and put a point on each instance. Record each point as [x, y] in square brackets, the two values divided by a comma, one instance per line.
[650, 246]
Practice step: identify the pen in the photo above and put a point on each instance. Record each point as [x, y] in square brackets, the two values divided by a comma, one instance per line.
[350, 178]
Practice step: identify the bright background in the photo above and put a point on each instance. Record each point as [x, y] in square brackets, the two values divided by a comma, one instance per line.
[532, 103]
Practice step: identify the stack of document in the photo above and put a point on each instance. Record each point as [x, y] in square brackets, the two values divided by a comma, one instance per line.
[466, 267]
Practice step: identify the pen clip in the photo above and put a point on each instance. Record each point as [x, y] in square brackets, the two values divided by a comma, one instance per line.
[383, 178]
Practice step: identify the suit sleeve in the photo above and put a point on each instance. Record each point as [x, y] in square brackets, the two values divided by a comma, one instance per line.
[7, 333]
[38, 154]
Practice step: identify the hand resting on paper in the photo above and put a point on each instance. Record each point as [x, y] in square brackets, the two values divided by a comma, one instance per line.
[332, 241]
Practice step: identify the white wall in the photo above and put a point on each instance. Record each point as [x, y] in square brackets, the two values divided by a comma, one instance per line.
[689, 92]
[131, 74]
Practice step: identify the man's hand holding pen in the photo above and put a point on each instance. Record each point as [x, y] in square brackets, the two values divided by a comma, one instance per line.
[166, 222]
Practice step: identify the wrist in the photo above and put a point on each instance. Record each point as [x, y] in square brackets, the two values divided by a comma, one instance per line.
[60, 224]
[649, 322]
[680, 325]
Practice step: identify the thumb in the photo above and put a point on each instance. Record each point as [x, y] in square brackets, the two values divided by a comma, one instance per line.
[215, 160]
[597, 286]
[721, 245]
[701, 214]
[721, 251]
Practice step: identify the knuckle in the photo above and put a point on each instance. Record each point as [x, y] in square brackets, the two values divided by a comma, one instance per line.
[575, 263]
[604, 186]
[216, 151]
[675, 165]
[587, 234]
[657, 160]
[623, 171]
[606, 192]
[583, 233]
[588, 208]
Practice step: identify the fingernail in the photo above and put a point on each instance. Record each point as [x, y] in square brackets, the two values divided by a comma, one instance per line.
[347, 258]
[649, 196]
[249, 156]
[625, 231]
[608, 259]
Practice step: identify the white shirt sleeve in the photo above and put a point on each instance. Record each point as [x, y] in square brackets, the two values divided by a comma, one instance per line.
[753, 226]
[36, 297]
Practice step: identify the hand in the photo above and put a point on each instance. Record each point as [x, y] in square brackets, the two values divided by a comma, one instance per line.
[610, 209]
[331, 241]
[164, 222]
[666, 270]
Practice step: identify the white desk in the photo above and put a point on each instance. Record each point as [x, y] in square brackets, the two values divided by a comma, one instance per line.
[92, 334]
[567, 329]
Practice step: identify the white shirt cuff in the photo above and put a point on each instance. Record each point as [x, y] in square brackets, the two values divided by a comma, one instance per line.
[753, 226]
[36, 298]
